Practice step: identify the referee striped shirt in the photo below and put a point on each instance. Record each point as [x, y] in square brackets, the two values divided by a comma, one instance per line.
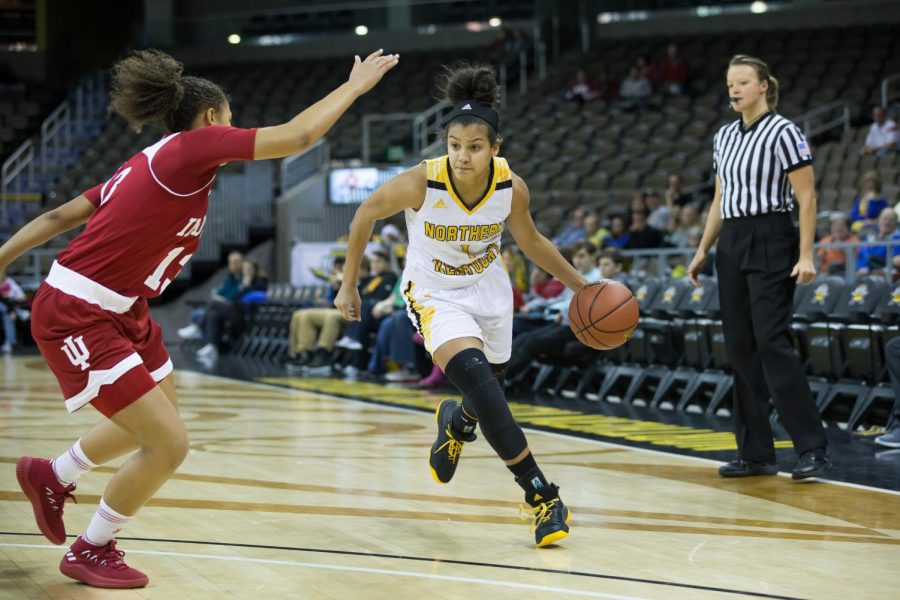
[753, 163]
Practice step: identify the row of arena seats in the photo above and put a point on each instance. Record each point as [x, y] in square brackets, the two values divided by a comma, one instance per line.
[676, 359]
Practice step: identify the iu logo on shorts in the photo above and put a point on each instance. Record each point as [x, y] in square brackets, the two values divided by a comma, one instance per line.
[76, 351]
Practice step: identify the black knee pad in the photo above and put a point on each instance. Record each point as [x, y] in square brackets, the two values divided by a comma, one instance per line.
[475, 377]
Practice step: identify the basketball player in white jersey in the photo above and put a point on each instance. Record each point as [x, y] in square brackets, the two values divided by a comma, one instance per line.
[456, 288]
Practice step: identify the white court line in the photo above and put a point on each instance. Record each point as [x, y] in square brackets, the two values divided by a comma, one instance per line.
[389, 572]
[708, 461]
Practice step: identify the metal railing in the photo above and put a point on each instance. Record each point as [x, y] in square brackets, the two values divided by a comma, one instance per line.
[888, 95]
[56, 132]
[298, 168]
[425, 126]
[660, 261]
[31, 276]
[367, 120]
[22, 160]
[825, 118]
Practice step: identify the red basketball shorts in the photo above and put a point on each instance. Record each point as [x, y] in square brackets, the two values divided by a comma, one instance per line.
[103, 347]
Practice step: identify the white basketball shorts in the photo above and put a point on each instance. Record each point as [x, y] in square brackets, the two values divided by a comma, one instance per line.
[483, 310]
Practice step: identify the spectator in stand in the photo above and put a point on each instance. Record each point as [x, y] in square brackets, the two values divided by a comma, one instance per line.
[221, 313]
[611, 265]
[618, 233]
[593, 232]
[688, 226]
[518, 273]
[641, 235]
[834, 260]
[675, 195]
[646, 68]
[11, 297]
[638, 202]
[674, 72]
[551, 332]
[882, 136]
[377, 303]
[544, 289]
[581, 90]
[574, 232]
[873, 259]
[394, 341]
[660, 216]
[868, 205]
[635, 89]
[315, 331]
[390, 236]
[223, 295]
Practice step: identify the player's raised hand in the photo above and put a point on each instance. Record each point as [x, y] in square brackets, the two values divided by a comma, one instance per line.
[366, 73]
[348, 302]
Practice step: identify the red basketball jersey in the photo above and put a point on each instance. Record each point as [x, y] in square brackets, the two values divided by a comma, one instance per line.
[151, 213]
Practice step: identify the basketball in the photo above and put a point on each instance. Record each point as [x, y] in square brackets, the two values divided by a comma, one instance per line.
[603, 315]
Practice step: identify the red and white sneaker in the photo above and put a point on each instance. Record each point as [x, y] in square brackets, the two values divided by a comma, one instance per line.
[47, 496]
[100, 566]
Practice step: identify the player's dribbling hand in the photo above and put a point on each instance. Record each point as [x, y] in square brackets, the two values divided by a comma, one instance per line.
[349, 303]
[366, 73]
[696, 265]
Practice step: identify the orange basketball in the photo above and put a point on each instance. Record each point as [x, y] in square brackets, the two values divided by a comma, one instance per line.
[603, 314]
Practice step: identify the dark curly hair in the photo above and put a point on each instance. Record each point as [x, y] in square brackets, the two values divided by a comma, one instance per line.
[466, 81]
[148, 87]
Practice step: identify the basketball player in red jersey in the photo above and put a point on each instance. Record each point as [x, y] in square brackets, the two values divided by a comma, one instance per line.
[90, 317]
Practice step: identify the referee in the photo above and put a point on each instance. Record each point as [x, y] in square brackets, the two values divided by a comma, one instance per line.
[759, 260]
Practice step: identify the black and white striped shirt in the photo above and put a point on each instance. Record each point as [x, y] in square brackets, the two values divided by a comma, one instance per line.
[752, 165]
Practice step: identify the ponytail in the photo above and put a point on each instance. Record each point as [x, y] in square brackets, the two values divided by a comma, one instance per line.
[148, 87]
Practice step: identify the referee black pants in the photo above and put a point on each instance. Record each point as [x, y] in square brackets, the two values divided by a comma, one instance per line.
[754, 258]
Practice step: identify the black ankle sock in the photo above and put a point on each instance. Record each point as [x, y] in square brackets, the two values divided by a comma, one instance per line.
[462, 422]
[528, 475]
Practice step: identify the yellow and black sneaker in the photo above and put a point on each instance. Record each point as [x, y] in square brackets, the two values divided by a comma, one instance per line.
[549, 516]
[447, 447]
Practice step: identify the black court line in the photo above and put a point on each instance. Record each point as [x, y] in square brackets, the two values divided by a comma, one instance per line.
[467, 563]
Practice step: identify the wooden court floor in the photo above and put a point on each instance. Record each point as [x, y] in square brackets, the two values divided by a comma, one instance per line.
[290, 494]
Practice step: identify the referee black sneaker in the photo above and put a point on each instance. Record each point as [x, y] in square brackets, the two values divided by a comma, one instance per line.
[747, 468]
[549, 516]
[446, 449]
[811, 463]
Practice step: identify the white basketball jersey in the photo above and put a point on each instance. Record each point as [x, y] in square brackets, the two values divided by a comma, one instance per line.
[450, 245]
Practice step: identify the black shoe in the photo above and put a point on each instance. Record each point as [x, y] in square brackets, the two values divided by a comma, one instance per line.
[746, 468]
[811, 463]
[318, 361]
[550, 516]
[447, 447]
[300, 360]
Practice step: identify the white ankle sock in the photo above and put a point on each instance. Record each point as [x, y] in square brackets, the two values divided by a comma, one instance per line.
[105, 525]
[72, 464]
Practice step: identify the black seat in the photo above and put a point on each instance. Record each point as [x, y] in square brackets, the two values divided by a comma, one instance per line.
[819, 343]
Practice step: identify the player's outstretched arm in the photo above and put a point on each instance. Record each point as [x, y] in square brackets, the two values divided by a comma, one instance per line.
[533, 243]
[306, 128]
[406, 190]
[46, 227]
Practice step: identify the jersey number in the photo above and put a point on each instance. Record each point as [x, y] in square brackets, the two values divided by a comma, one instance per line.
[109, 188]
[465, 249]
[155, 282]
